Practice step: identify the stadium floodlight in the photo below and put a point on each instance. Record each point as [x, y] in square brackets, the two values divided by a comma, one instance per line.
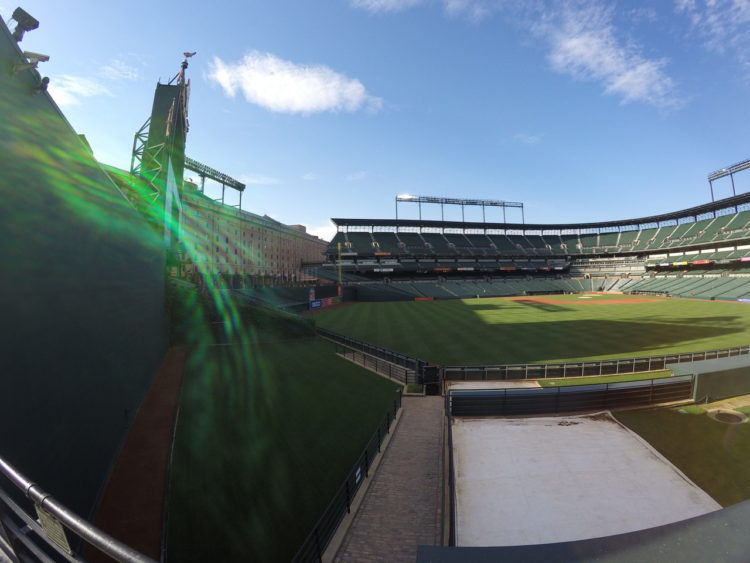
[442, 201]
[24, 22]
[728, 171]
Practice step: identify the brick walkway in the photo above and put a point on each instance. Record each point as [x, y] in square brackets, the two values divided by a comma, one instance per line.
[401, 509]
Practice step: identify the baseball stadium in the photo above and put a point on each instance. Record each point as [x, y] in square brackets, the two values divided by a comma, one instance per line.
[185, 380]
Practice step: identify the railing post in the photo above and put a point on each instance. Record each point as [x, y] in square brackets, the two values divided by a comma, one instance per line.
[317, 545]
[5, 535]
[348, 497]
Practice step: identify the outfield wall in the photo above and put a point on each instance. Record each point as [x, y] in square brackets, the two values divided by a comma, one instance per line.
[573, 398]
[581, 369]
[81, 295]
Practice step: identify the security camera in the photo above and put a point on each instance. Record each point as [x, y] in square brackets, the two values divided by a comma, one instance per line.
[35, 57]
[25, 23]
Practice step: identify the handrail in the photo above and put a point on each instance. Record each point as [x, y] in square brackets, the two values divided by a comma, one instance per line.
[392, 356]
[318, 539]
[542, 370]
[80, 527]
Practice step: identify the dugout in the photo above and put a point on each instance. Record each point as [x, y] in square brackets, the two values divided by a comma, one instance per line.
[717, 379]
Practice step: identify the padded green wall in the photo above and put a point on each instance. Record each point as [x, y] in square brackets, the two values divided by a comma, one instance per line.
[81, 297]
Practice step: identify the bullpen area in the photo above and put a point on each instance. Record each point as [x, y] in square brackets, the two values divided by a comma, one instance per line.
[521, 481]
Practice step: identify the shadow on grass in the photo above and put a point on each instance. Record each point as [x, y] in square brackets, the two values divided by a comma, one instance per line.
[546, 307]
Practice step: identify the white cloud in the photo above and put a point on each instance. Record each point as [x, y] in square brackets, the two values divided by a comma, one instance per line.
[67, 90]
[286, 87]
[377, 6]
[326, 232]
[356, 176]
[117, 69]
[474, 10]
[723, 26]
[309, 176]
[584, 44]
[258, 180]
[526, 139]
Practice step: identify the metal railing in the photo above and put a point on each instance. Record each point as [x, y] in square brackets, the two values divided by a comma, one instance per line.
[409, 362]
[578, 369]
[44, 537]
[317, 541]
[573, 398]
[392, 371]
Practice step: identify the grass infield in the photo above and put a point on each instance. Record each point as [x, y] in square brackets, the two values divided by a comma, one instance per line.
[543, 329]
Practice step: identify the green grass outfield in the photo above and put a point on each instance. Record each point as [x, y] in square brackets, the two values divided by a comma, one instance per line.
[567, 327]
[568, 381]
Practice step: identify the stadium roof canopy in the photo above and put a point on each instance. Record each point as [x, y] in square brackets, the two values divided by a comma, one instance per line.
[692, 212]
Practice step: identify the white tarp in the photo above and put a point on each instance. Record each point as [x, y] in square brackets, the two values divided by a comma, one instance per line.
[526, 481]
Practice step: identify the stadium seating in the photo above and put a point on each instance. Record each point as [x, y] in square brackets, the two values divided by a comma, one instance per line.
[460, 244]
[538, 245]
[482, 243]
[662, 233]
[362, 243]
[589, 243]
[553, 242]
[692, 253]
[415, 243]
[438, 243]
[626, 239]
[608, 240]
[712, 228]
[570, 244]
[387, 242]
[643, 239]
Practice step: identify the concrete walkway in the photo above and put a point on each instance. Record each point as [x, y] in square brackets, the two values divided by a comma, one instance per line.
[401, 509]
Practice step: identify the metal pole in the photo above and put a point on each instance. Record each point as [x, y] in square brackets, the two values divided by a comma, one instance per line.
[396, 209]
[483, 219]
[420, 209]
[711, 185]
[731, 177]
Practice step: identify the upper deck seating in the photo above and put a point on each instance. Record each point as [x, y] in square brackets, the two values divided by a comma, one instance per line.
[644, 238]
[388, 242]
[362, 243]
[589, 242]
[415, 244]
[439, 243]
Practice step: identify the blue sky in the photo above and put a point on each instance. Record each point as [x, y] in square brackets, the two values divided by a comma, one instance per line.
[583, 110]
